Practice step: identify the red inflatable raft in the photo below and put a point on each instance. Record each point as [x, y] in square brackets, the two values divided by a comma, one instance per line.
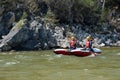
[78, 52]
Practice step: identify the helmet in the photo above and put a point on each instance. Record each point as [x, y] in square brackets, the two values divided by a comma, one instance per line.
[88, 37]
[72, 37]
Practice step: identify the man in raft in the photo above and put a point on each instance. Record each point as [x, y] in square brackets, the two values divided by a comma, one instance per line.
[73, 43]
[89, 42]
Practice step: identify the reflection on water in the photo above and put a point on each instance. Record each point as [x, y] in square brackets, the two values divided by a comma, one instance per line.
[45, 65]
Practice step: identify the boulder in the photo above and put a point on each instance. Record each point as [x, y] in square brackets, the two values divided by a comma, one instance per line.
[18, 35]
[6, 23]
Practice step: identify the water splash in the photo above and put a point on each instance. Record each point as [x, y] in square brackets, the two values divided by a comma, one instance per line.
[85, 69]
[50, 58]
[118, 54]
[53, 57]
[92, 55]
[1, 60]
[23, 57]
[11, 63]
[58, 56]
[45, 55]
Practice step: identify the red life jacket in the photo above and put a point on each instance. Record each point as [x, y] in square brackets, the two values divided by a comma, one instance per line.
[87, 44]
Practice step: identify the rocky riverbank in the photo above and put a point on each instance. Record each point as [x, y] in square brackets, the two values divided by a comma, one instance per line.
[33, 35]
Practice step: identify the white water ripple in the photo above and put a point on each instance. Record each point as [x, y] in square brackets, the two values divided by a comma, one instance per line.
[58, 56]
[54, 57]
[11, 63]
[1, 60]
[118, 54]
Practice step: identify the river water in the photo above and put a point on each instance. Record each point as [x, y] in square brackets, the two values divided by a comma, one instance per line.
[45, 65]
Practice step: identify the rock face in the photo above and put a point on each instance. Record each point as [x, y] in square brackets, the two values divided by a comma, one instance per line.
[16, 36]
[6, 22]
[32, 36]
[26, 35]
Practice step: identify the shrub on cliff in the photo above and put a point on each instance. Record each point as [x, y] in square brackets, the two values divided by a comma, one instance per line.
[20, 24]
[73, 11]
[31, 6]
[66, 11]
[50, 17]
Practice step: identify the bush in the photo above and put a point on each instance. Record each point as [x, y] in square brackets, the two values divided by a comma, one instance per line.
[50, 17]
[20, 23]
[31, 6]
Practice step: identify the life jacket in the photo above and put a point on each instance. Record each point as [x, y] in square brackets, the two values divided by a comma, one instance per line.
[88, 44]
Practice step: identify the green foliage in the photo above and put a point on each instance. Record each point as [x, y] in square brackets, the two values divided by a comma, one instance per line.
[50, 17]
[69, 11]
[66, 11]
[24, 15]
[20, 24]
[104, 15]
[86, 3]
[31, 5]
[9, 4]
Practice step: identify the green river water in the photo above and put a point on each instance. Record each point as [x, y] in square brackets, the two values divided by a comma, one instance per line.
[45, 65]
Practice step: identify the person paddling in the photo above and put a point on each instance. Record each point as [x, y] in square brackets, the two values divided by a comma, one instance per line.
[89, 42]
[73, 43]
